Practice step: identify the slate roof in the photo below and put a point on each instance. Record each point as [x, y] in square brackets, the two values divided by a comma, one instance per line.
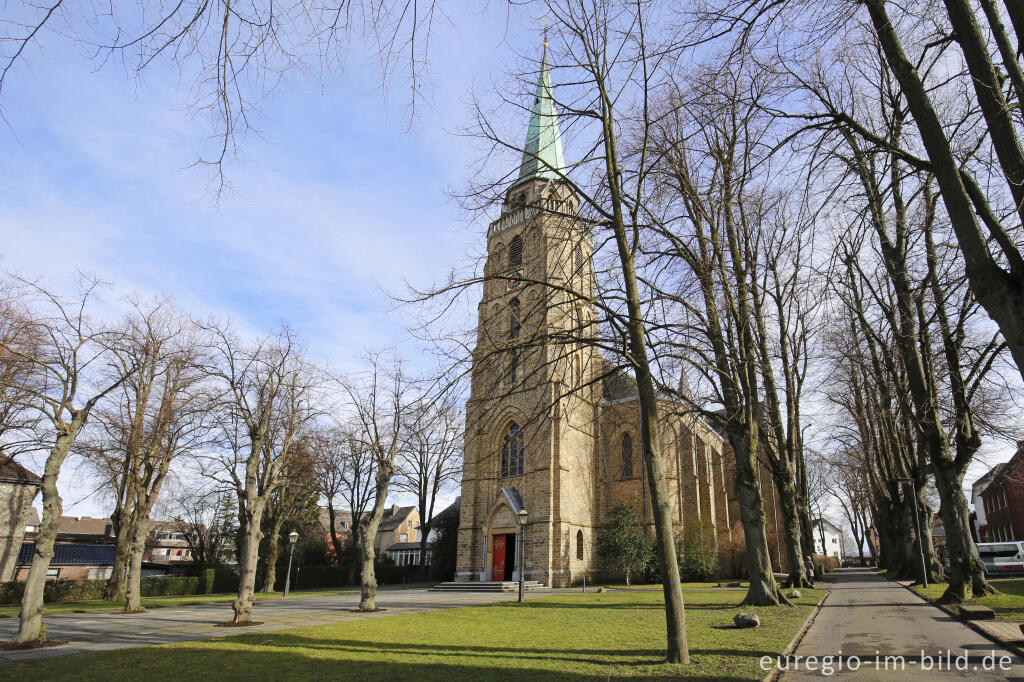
[71, 554]
[12, 472]
[395, 517]
[404, 545]
[85, 525]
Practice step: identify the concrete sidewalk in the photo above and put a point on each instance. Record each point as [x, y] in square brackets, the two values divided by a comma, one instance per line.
[104, 631]
[881, 628]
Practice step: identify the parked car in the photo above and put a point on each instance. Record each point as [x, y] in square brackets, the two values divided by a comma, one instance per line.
[1002, 557]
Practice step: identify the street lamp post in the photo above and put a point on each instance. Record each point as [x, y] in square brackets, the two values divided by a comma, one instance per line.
[521, 516]
[917, 525]
[292, 538]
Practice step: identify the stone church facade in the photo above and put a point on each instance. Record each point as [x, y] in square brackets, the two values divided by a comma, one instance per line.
[551, 426]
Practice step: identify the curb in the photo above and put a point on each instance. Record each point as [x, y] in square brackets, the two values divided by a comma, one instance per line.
[1013, 647]
[798, 637]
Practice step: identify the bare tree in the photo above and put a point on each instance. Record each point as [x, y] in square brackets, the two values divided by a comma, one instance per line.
[430, 459]
[204, 520]
[294, 499]
[380, 401]
[72, 369]
[268, 395]
[156, 416]
[331, 474]
[18, 421]
[712, 218]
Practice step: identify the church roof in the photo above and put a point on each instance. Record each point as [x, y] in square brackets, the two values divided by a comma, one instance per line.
[542, 153]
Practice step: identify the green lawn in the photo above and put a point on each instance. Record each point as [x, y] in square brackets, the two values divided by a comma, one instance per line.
[1008, 605]
[12, 610]
[558, 637]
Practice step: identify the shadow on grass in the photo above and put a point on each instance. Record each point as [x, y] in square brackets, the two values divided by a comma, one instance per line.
[173, 664]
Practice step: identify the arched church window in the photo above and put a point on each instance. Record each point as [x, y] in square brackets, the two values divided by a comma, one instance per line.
[515, 252]
[577, 256]
[579, 545]
[627, 455]
[514, 319]
[512, 452]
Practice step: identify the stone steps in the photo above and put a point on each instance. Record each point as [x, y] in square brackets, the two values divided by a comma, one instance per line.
[489, 586]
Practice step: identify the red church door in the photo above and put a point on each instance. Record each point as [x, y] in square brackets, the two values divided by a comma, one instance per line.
[498, 558]
[503, 557]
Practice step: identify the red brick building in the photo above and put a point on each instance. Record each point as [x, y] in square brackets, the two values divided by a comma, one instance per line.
[1003, 501]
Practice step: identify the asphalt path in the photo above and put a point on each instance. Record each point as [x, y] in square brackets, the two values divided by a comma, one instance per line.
[105, 631]
[887, 632]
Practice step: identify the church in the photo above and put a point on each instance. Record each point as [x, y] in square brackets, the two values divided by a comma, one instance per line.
[552, 427]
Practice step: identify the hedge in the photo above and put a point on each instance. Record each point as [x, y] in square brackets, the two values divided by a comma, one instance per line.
[57, 591]
[214, 581]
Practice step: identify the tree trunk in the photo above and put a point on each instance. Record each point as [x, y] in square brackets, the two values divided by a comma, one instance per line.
[133, 600]
[763, 590]
[117, 583]
[368, 537]
[966, 574]
[273, 553]
[336, 542]
[30, 620]
[424, 548]
[791, 528]
[248, 557]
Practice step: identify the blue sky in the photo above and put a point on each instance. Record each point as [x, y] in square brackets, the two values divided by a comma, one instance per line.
[343, 198]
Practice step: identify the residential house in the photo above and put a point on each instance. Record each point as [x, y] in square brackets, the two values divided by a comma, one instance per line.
[84, 549]
[828, 539]
[1002, 501]
[166, 544]
[18, 487]
[980, 516]
[71, 561]
[407, 554]
[398, 525]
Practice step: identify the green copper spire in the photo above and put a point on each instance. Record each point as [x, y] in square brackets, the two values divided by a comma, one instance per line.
[542, 154]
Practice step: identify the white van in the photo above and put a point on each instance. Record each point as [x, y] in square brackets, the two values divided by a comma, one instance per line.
[1002, 557]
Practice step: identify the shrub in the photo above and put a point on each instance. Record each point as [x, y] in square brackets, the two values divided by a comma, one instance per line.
[622, 544]
[697, 552]
[829, 562]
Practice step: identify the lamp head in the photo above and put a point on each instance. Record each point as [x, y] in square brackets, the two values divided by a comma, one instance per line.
[522, 517]
[293, 537]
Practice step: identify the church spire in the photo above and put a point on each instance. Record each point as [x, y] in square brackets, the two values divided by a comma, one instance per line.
[542, 153]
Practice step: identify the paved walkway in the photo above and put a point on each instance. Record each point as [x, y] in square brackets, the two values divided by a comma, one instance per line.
[103, 631]
[867, 618]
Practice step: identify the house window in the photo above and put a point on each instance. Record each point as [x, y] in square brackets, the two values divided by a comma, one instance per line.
[515, 252]
[627, 456]
[52, 573]
[579, 545]
[512, 453]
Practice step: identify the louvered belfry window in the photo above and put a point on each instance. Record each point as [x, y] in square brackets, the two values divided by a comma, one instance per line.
[515, 252]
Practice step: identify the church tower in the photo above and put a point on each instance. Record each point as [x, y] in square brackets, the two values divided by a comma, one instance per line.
[532, 416]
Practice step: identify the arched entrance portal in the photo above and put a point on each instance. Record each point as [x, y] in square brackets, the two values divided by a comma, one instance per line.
[501, 535]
